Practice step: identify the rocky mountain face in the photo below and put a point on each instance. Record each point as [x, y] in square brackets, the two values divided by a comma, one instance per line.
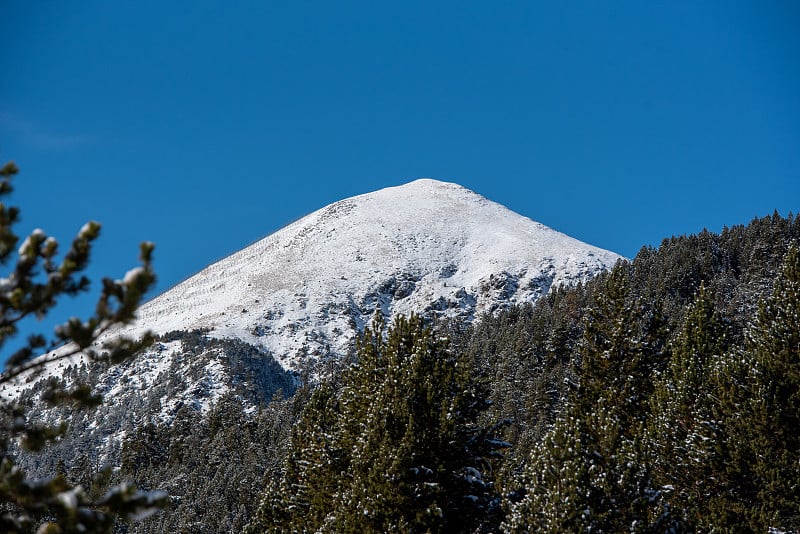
[248, 324]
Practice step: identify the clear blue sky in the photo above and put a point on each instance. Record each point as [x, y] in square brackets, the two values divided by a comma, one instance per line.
[204, 126]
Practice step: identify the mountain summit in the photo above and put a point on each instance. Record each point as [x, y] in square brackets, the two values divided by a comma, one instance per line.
[246, 325]
[426, 246]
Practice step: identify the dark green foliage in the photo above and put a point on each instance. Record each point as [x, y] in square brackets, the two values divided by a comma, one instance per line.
[396, 448]
[760, 410]
[525, 353]
[714, 445]
[256, 375]
[623, 343]
[737, 265]
[589, 472]
[213, 467]
[33, 285]
[773, 345]
[684, 435]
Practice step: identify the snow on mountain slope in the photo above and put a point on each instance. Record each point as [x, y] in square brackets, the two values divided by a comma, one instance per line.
[424, 246]
[306, 291]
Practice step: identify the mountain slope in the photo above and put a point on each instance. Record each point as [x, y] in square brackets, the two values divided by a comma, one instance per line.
[426, 246]
[244, 325]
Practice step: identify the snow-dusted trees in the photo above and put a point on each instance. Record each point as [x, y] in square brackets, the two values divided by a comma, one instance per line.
[32, 286]
[760, 410]
[588, 473]
[397, 448]
[714, 446]
[725, 431]
[686, 439]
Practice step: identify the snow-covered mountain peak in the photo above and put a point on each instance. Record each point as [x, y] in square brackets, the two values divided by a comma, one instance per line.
[421, 195]
[424, 188]
[426, 246]
[304, 292]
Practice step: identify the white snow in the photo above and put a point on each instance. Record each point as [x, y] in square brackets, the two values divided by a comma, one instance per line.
[86, 229]
[132, 275]
[145, 371]
[28, 241]
[299, 290]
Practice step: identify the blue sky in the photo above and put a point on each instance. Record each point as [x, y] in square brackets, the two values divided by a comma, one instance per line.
[204, 126]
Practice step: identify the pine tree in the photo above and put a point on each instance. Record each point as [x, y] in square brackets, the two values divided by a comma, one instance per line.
[397, 448]
[761, 412]
[684, 434]
[32, 287]
[590, 471]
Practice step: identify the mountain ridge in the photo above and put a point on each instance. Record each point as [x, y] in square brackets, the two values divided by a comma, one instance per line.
[425, 246]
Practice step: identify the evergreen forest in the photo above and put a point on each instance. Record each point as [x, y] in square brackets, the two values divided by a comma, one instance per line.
[661, 396]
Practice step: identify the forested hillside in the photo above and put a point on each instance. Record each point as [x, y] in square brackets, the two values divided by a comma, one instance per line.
[662, 395]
